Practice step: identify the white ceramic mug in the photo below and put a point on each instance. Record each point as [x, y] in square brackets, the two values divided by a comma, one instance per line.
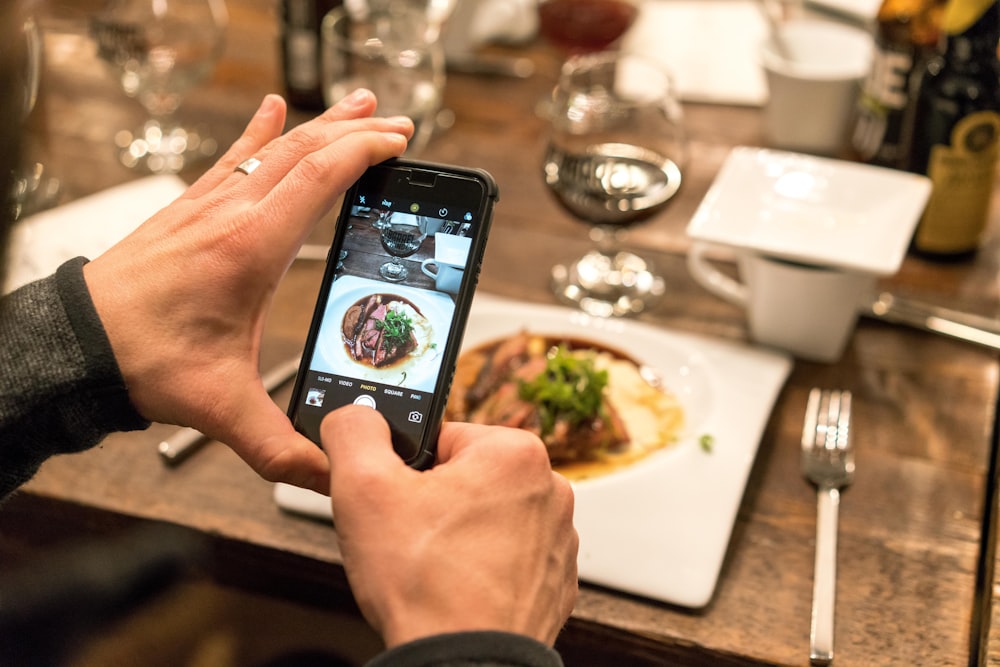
[813, 89]
[447, 278]
[804, 309]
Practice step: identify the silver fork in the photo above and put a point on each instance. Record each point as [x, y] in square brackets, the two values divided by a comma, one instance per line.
[827, 462]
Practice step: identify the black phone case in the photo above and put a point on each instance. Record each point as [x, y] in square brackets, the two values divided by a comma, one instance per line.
[426, 451]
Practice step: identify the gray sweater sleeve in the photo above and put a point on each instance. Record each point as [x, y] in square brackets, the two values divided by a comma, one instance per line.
[61, 390]
[470, 649]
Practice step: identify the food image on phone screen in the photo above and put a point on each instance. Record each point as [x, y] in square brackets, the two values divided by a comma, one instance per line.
[392, 308]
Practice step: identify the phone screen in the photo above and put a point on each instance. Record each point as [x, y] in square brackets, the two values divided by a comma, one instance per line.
[392, 308]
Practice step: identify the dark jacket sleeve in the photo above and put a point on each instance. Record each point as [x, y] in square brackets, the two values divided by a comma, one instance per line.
[470, 649]
[61, 389]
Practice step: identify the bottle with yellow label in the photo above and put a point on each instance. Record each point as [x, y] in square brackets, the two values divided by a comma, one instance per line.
[956, 130]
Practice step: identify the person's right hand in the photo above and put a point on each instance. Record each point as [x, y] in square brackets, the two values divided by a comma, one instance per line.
[482, 541]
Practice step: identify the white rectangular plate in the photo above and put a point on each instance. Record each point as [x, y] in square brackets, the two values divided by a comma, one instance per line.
[660, 527]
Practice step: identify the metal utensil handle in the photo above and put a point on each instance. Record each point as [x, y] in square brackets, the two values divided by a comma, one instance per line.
[824, 577]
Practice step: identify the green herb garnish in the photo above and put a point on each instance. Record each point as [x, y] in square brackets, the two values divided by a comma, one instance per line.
[396, 329]
[707, 442]
[569, 389]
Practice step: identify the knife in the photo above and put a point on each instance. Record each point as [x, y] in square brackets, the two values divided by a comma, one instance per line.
[186, 440]
[971, 328]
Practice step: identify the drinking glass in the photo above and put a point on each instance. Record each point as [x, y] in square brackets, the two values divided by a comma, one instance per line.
[585, 26]
[401, 237]
[382, 218]
[615, 153]
[576, 27]
[34, 188]
[393, 50]
[159, 50]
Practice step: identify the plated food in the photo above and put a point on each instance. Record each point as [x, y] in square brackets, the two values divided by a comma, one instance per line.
[591, 405]
[382, 330]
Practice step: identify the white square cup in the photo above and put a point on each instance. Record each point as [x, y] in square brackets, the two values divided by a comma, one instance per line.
[810, 235]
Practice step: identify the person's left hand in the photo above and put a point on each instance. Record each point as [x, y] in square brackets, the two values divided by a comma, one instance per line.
[184, 298]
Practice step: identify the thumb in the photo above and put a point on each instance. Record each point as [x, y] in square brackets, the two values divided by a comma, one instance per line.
[358, 444]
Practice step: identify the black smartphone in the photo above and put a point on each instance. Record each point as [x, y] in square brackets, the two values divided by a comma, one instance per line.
[395, 298]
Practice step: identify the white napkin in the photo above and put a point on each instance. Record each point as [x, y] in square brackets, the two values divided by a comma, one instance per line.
[710, 46]
[87, 226]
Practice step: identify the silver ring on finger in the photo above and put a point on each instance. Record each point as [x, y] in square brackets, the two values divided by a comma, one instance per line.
[248, 166]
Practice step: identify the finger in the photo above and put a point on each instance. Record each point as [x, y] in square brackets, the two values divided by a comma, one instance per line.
[359, 446]
[317, 181]
[267, 124]
[267, 441]
[352, 114]
[456, 437]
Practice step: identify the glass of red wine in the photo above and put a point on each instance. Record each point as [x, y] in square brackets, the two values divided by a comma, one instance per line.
[614, 158]
[401, 236]
[585, 26]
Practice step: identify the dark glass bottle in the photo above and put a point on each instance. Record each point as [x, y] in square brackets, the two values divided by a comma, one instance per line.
[300, 50]
[906, 34]
[956, 131]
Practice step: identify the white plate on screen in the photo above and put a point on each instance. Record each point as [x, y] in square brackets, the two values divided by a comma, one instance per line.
[660, 527]
[811, 209]
[418, 373]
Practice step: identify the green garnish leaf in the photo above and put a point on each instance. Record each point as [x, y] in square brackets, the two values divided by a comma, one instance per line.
[396, 329]
[570, 388]
[707, 442]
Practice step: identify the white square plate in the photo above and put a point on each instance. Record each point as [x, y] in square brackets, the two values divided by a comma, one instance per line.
[812, 209]
[660, 527]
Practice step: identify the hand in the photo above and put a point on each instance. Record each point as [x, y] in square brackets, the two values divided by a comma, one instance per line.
[482, 541]
[184, 298]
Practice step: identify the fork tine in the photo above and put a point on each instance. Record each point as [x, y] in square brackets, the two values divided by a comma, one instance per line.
[844, 421]
[831, 412]
[810, 429]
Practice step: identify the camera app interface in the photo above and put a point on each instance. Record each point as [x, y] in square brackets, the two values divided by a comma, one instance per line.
[389, 312]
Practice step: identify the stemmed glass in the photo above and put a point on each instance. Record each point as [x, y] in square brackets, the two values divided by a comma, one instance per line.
[615, 153]
[34, 189]
[159, 50]
[382, 218]
[585, 26]
[575, 27]
[401, 238]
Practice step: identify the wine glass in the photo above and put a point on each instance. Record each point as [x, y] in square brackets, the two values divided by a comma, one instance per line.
[585, 26]
[392, 49]
[576, 27]
[382, 218]
[159, 50]
[401, 237]
[614, 157]
[34, 188]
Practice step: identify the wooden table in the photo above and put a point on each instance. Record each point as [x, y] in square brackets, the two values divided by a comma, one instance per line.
[915, 574]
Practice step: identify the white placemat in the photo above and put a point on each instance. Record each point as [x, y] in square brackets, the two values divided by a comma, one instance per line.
[87, 226]
[709, 45]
